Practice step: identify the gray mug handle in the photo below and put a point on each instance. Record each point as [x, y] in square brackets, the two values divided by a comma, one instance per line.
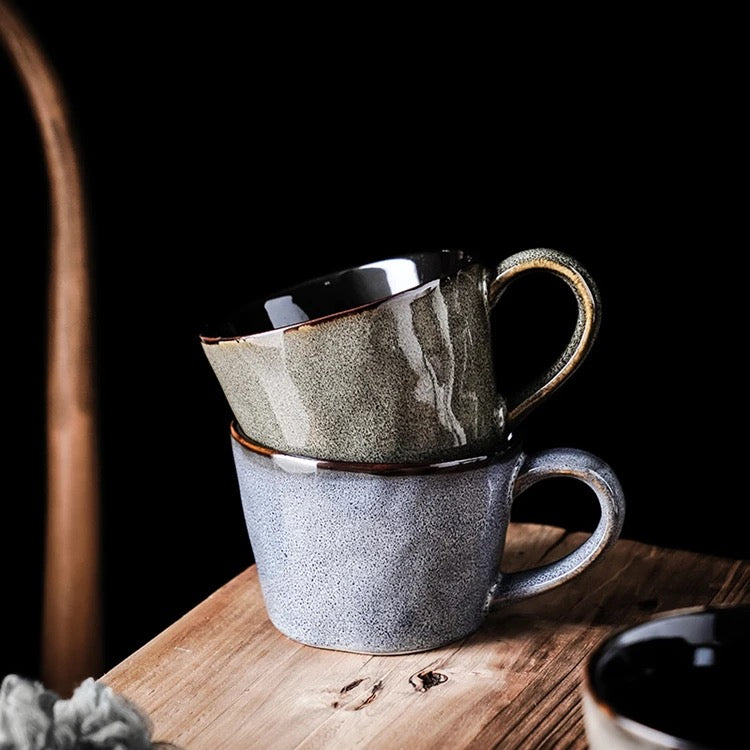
[588, 302]
[596, 474]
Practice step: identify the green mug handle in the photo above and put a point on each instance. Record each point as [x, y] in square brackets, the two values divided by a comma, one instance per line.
[588, 303]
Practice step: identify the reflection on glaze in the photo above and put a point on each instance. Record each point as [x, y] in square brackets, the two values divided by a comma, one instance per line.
[401, 273]
[274, 379]
[294, 464]
[444, 405]
[429, 389]
[283, 311]
[407, 380]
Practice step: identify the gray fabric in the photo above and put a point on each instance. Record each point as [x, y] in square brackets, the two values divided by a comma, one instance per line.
[95, 717]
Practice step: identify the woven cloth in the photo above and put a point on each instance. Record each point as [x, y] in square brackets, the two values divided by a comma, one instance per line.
[93, 718]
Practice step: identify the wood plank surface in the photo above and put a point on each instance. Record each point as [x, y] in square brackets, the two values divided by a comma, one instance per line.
[223, 678]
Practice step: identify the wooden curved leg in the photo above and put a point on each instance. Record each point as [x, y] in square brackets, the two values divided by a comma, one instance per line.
[71, 632]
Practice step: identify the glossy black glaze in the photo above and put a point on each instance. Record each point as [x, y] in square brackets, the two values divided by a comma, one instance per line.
[338, 292]
[684, 674]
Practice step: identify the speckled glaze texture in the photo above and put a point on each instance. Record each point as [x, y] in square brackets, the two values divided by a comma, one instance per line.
[406, 380]
[409, 378]
[379, 559]
[588, 302]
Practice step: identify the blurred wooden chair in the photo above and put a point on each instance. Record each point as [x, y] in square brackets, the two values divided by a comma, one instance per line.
[71, 629]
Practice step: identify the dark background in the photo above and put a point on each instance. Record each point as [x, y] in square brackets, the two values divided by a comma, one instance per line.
[225, 159]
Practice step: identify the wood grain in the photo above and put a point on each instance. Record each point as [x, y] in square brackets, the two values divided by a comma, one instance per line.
[223, 677]
[71, 633]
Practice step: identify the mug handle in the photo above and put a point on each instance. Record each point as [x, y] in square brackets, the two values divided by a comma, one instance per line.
[587, 324]
[598, 476]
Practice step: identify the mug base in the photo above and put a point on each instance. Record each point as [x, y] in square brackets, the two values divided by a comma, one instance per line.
[364, 651]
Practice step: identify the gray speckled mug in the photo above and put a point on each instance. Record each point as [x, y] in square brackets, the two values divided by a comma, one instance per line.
[392, 361]
[384, 559]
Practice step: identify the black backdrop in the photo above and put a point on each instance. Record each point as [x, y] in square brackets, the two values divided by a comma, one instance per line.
[223, 161]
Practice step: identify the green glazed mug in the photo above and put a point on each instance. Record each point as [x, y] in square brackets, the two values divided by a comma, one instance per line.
[391, 361]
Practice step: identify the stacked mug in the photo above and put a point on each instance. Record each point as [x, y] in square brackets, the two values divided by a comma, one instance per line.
[376, 458]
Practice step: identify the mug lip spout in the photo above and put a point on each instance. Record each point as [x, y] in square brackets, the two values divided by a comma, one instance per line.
[632, 726]
[509, 445]
[461, 259]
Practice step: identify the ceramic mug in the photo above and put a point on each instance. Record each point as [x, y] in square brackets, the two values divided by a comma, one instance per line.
[390, 361]
[676, 680]
[399, 558]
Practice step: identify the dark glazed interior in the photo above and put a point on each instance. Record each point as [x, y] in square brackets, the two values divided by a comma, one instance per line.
[685, 675]
[338, 292]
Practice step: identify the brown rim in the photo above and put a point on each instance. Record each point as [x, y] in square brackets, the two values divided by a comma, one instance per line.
[415, 291]
[461, 464]
[465, 262]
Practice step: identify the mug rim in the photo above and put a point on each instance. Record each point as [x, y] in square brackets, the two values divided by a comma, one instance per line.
[605, 707]
[462, 258]
[509, 445]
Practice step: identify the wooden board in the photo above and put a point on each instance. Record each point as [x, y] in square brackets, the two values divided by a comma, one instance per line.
[222, 677]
